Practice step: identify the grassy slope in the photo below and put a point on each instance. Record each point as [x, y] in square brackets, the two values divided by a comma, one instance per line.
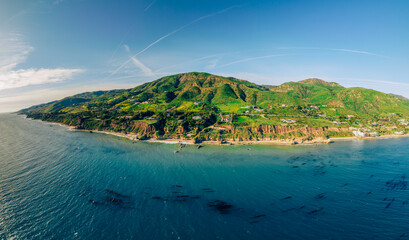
[230, 94]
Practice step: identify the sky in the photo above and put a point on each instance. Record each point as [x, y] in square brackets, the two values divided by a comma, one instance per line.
[50, 49]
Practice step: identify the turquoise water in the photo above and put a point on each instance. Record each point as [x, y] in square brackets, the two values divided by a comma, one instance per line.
[61, 184]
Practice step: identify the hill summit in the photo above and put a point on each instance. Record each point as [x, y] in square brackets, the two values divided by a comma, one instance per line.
[319, 82]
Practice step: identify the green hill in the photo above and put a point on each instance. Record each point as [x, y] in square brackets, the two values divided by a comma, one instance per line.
[206, 106]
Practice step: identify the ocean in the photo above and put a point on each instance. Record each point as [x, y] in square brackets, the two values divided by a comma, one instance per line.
[62, 184]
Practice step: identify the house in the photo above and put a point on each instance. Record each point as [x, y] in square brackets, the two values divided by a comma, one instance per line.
[373, 134]
[403, 122]
[152, 119]
[259, 110]
[198, 103]
[284, 105]
[350, 116]
[196, 117]
[288, 120]
[358, 133]
[226, 119]
[314, 107]
[250, 107]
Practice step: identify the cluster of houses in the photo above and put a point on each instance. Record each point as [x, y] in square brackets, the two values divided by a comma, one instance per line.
[336, 122]
[254, 108]
[403, 122]
[312, 106]
[137, 103]
[358, 133]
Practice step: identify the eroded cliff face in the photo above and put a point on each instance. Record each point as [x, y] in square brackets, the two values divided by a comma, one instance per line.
[220, 132]
[270, 132]
[137, 127]
[143, 128]
[278, 130]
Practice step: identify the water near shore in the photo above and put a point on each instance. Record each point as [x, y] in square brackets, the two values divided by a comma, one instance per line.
[62, 184]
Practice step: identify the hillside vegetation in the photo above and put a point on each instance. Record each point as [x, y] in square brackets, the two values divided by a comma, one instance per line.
[203, 106]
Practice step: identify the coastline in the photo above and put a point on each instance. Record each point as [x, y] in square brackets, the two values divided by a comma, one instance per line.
[287, 142]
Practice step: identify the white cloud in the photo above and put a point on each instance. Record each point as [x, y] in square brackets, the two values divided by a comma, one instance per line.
[15, 51]
[26, 77]
[126, 47]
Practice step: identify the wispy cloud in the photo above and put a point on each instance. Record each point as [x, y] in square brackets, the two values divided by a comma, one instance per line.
[256, 58]
[189, 62]
[149, 6]
[126, 47]
[334, 49]
[355, 51]
[15, 51]
[375, 81]
[172, 33]
[15, 16]
[212, 63]
[146, 71]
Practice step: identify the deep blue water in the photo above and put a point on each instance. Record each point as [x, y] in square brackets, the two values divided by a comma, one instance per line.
[61, 184]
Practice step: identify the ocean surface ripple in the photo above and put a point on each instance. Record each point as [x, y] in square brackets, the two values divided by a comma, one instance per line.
[62, 184]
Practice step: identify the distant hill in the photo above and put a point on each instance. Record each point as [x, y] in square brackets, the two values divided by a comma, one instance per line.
[169, 104]
[399, 96]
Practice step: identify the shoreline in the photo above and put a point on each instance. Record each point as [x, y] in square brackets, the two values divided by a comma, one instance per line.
[285, 142]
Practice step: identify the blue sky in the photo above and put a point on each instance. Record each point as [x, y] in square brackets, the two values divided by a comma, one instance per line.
[50, 49]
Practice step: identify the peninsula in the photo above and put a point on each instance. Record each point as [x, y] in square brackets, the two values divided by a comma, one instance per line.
[201, 107]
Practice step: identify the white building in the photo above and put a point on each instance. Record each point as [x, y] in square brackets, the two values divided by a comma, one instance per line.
[358, 133]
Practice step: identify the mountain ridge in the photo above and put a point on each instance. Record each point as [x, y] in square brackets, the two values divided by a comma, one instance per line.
[171, 104]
